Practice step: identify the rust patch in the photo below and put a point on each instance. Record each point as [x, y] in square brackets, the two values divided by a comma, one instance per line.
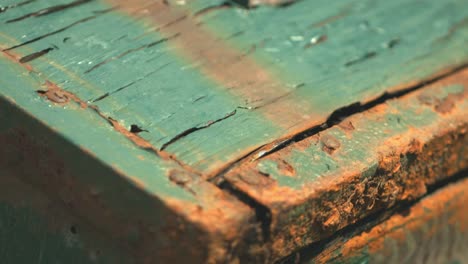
[59, 96]
[285, 168]
[179, 177]
[16, 59]
[329, 143]
[402, 166]
[448, 103]
[346, 125]
[439, 212]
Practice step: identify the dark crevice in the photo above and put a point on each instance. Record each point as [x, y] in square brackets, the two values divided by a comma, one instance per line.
[262, 213]
[35, 55]
[365, 57]
[194, 129]
[100, 98]
[392, 43]
[344, 112]
[86, 19]
[73, 229]
[453, 29]
[275, 99]
[310, 252]
[253, 4]
[127, 85]
[170, 23]
[50, 10]
[125, 53]
[210, 9]
[135, 129]
[5, 8]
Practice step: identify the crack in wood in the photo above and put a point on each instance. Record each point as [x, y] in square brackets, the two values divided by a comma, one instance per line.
[335, 118]
[365, 57]
[125, 53]
[213, 8]
[86, 19]
[195, 129]
[49, 10]
[105, 95]
[35, 55]
[5, 8]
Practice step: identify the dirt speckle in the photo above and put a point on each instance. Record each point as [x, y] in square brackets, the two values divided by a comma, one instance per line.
[346, 125]
[179, 177]
[285, 168]
[330, 144]
[448, 103]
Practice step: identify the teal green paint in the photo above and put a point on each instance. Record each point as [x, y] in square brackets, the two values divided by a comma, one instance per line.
[364, 26]
[165, 89]
[131, 182]
[357, 150]
[163, 98]
[26, 237]
[83, 127]
[426, 41]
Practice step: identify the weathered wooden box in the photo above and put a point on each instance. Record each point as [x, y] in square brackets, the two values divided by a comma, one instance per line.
[201, 131]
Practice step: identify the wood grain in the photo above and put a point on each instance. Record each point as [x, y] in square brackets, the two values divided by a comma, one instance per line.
[366, 163]
[204, 125]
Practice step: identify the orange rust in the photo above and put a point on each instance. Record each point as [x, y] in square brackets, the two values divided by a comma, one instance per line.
[346, 125]
[286, 169]
[448, 103]
[329, 143]
[137, 140]
[407, 163]
[448, 201]
[16, 58]
[59, 96]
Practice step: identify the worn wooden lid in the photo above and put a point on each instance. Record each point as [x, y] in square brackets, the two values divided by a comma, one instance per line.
[232, 134]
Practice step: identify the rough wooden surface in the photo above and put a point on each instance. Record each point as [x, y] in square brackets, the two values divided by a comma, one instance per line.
[133, 195]
[434, 230]
[369, 161]
[236, 71]
[171, 114]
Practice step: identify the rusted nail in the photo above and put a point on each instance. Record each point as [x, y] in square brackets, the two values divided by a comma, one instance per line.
[179, 177]
[330, 143]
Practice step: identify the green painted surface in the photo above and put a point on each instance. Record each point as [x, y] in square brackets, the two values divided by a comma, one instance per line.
[430, 230]
[360, 150]
[132, 183]
[319, 56]
[384, 155]
[167, 93]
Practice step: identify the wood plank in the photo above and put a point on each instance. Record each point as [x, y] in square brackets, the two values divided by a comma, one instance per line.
[124, 109]
[434, 230]
[368, 162]
[237, 73]
[133, 195]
